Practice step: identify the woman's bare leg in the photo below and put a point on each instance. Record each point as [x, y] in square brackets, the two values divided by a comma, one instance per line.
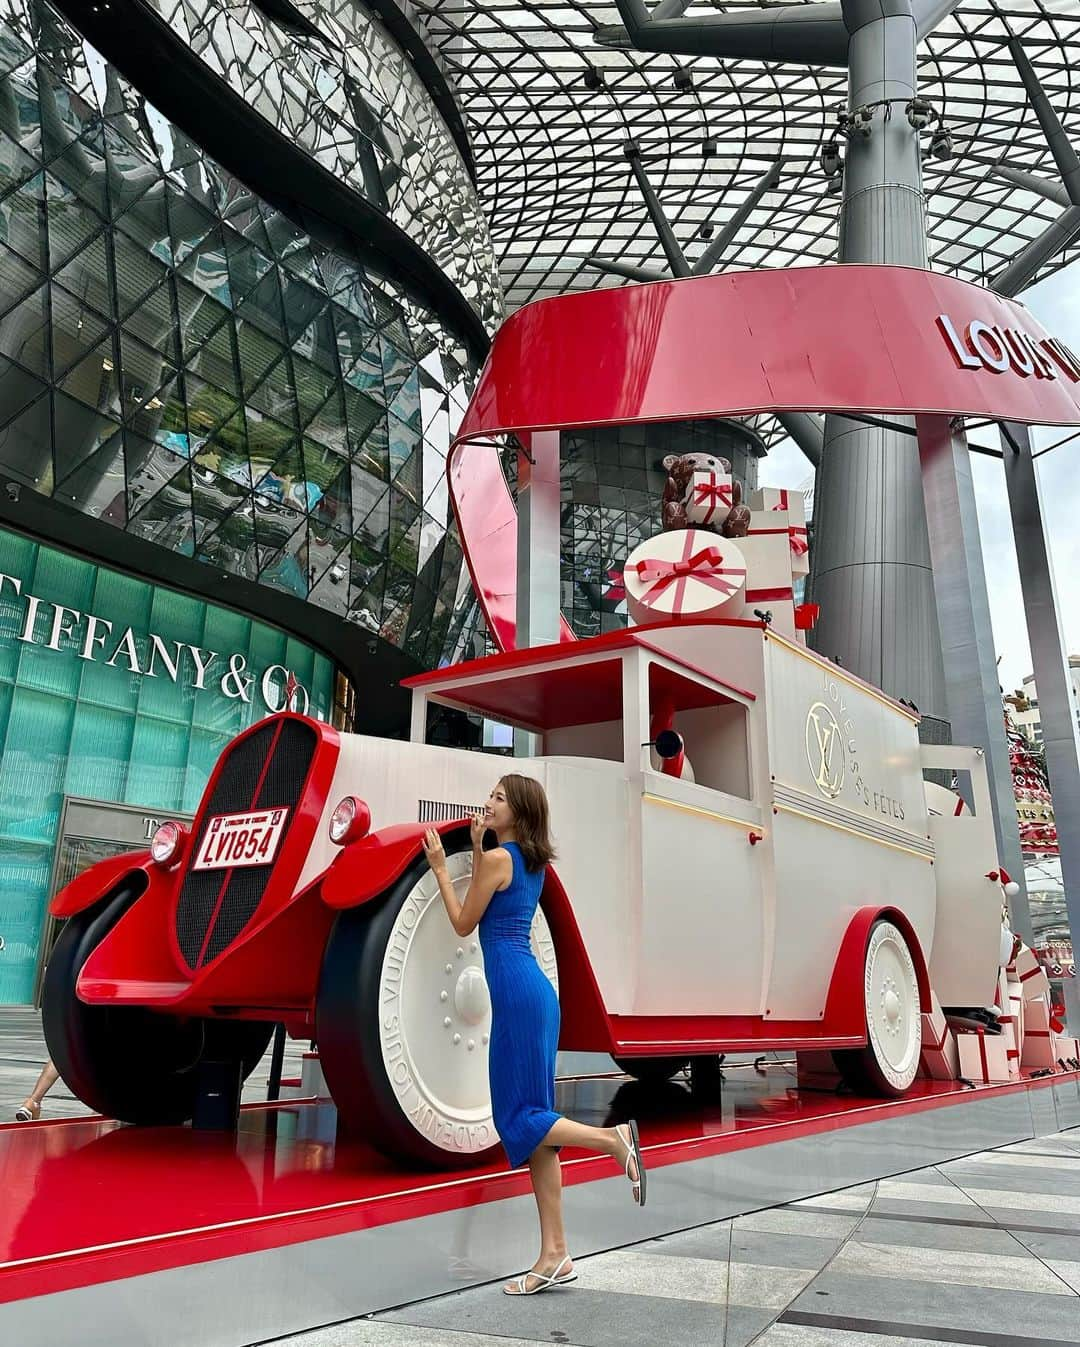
[45, 1081]
[546, 1175]
[606, 1140]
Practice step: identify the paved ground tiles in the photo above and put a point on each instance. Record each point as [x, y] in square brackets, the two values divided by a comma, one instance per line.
[983, 1251]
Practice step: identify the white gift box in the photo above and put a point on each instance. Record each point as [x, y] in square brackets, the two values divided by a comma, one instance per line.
[709, 498]
[1012, 1035]
[685, 573]
[1016, 1014]
[780, 498]
[940, 1059]
[1029, 973]
[1035, 985]
[769, 522]
[768, 564]
[1037, 1050]
[769, 580]
[983, 1057]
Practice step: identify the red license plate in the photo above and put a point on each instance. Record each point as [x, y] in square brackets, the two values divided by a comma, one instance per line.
[241, 839]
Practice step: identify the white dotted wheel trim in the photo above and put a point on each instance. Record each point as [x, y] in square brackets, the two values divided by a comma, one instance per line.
[891, 998]
[435, 1016]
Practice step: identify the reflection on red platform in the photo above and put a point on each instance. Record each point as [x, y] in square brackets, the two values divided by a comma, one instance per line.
[87, 1201]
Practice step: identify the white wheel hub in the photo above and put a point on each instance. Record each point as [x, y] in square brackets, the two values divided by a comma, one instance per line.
[891, 995]
[435, 1016]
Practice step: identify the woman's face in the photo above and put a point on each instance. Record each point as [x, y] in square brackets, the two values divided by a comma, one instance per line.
[497, 812]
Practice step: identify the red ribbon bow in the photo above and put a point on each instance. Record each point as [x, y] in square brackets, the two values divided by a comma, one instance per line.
[706, 566]
[713, 493]
[799, 545]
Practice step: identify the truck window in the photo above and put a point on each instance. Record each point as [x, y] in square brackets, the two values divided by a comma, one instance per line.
[714, 727]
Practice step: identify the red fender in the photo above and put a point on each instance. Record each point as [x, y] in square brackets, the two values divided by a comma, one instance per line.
[98, 880]
[368, 867]
[585, 1024]
[844, 1013]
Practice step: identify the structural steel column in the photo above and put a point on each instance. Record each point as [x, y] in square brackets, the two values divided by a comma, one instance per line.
[538, 578]
[1049, 661]
[871, 562]
[972, 694]
[538, 540]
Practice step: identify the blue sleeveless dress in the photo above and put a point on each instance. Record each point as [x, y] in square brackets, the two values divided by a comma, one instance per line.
[524, 1017]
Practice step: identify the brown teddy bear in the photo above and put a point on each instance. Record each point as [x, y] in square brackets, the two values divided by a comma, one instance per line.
[679, 469]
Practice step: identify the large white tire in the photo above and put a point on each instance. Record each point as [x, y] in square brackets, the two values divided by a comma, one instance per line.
[890, 1061]
[404, 1019]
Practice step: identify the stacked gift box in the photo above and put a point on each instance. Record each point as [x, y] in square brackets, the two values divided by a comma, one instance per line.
[940, 1058]
[1028, 1036]
[1043, 1046]
[698, 573]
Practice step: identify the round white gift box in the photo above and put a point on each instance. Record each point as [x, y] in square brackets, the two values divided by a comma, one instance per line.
[689, 573]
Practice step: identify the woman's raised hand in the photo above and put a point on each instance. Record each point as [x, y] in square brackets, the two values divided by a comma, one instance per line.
[477, 830]
[433, 850]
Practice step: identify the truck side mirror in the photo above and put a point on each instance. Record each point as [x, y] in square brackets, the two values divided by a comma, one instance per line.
[668, 744]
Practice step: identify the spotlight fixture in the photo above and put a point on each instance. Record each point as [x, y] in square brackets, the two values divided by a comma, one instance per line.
[705, 230]
[683, 78]
[862, 121]
[594, 78]
[920, 113]
[708, 147]
[829, 158]
[631, 149]
[835, 184]
[941, 144]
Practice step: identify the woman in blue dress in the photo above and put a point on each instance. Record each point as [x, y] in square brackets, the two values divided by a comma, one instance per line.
[501, 900]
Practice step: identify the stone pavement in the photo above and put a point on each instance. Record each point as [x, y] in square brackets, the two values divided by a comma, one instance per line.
[22, 1055]
[982, 1251]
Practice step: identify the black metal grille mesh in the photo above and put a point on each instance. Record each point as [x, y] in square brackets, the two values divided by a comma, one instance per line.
[437, 811]
[202, 890]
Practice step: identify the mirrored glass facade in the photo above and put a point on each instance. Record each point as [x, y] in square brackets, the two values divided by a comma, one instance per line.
[339, 86]
[179, 360]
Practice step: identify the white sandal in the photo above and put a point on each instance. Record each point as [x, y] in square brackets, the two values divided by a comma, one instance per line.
[633, 1152]
[544, 1283]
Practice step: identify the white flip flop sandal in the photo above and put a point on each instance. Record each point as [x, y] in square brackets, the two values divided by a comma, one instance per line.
[630, 1138]
[543, 1283]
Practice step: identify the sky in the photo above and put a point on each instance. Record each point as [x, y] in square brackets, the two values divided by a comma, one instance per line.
[1055, 303]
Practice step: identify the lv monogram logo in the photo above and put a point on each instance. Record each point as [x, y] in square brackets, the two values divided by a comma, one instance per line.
[825, 750]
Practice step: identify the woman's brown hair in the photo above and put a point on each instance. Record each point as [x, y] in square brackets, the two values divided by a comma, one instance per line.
[532, 822]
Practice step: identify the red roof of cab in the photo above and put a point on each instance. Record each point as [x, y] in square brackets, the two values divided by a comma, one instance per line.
[578, 689]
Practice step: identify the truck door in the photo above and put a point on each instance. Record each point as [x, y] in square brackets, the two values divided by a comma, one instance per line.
[967, 927]
[702, 922]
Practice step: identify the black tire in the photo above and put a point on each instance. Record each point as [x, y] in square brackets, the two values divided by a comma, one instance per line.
[651, 1070]
[347, 1029]
[864, 1069]
[135, 1065]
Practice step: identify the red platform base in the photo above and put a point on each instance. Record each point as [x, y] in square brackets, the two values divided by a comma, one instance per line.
[87, 1202]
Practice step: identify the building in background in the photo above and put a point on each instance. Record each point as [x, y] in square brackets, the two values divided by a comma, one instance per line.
[245, 283]
[1025, 701]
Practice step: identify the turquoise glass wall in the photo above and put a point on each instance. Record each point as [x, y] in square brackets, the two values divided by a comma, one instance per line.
[106, 719]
